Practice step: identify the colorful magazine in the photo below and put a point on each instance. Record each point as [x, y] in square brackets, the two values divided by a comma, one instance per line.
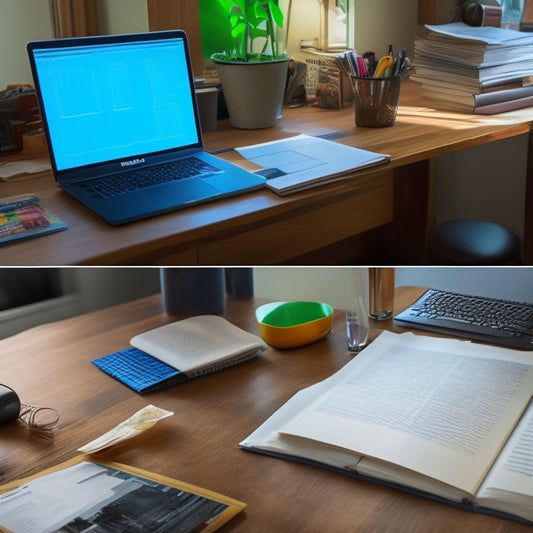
[25, 216]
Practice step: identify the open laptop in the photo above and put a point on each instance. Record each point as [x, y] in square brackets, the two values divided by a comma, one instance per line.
[117, 109]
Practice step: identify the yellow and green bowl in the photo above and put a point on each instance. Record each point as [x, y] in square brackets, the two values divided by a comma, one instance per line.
[292, 324]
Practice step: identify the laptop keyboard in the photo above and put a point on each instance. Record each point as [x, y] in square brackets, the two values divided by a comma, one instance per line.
[133, 180]
[491, 320]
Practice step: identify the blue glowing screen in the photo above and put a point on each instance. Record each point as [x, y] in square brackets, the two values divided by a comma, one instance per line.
[116, 100]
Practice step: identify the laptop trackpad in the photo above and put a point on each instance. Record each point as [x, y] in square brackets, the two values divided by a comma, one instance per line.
[186, 191]
[152, 200]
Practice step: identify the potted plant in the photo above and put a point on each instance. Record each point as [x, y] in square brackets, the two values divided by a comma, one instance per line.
[253, 72]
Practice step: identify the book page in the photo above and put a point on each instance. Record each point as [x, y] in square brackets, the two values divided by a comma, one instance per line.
[267, 437]
[440, 407]
[509, 484]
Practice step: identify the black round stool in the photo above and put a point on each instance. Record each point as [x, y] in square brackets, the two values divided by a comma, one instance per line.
[473, 242]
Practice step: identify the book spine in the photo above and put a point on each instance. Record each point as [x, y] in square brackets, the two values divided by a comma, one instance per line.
[501, 107]
[505, 95]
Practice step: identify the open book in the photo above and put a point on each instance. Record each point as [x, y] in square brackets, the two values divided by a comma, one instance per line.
[300, 162]
[444, 418]
[179, 351]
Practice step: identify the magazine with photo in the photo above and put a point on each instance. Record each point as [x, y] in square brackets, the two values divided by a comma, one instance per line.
[25, 216]
[83, 495]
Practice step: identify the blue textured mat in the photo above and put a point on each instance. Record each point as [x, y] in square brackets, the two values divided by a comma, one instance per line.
[139, 371]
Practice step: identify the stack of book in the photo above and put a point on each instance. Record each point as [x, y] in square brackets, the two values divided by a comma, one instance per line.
[475, 69]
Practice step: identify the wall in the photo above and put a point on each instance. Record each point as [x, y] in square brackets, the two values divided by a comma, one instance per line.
[85, 289]
[103, 287]
[122, 16]
[20, 21]
[335, 285]
[510, 283]
[381, 22]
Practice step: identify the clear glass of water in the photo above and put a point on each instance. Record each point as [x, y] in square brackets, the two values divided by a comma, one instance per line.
[357, 325]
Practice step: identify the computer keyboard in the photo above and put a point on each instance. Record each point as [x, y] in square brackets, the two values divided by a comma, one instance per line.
[133, 180]
[489, 320]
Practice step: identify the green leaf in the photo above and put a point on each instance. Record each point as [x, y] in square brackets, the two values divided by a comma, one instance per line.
[257, 32]
[250, 20]
[234, 20]
[238, 31]
[277, 13]
[260, 12]
[227, 4]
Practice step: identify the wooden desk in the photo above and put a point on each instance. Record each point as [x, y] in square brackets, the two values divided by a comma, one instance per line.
[50, 366]
[378, 216]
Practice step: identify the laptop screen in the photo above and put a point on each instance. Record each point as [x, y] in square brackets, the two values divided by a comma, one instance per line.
[116, 100]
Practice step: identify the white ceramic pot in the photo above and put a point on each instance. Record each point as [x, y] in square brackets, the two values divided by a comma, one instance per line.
[253, 92]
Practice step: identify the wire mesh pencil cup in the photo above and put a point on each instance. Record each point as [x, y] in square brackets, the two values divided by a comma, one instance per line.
[376, 100]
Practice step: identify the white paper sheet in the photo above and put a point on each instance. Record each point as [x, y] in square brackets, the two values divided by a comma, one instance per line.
[14, 169]
[306, 161]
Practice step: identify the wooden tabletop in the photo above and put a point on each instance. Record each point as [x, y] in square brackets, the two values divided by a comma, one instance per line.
[220, 231]
[50, 366]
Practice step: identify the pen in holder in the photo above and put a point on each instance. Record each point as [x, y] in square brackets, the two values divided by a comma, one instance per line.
[376, 100]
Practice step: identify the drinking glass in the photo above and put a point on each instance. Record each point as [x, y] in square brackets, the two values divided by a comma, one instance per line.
[357, 326]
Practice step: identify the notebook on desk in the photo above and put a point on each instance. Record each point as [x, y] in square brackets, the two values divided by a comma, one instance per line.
[123, 128]
[177, 352]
